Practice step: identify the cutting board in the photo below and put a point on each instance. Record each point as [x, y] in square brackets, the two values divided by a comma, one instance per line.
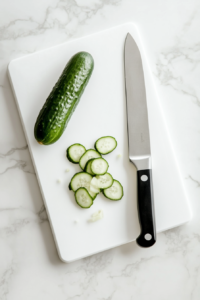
[101, 111]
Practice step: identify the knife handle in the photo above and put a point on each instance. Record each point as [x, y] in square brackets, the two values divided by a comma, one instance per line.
[146, 214]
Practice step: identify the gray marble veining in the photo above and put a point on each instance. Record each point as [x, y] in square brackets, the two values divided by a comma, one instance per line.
[29, 264]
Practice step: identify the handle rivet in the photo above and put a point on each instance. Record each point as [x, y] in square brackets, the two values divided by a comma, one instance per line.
[148, 237]
[144, 177]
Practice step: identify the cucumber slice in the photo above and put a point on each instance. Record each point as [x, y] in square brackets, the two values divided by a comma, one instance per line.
[83, 198]
[115, 192]
[93, 189]
[102, 181]
[105, 144]
[74, 152]
[82, 179]
[88, 167]
[70, 186]
[99, 166]
[86, 156]
[94, 196]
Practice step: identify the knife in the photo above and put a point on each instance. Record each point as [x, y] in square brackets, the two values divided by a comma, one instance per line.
[139, 140]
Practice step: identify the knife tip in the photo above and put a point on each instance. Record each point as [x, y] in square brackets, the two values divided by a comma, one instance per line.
[128, 36]
[130, 41]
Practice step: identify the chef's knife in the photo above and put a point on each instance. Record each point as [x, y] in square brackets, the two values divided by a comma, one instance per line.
[139, 140]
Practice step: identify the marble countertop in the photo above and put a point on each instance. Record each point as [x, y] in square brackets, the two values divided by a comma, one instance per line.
[29, 264]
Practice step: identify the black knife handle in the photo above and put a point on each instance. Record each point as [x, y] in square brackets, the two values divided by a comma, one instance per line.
[146, 213]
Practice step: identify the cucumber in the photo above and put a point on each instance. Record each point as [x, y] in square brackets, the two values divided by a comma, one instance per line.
[88, 166]
[105, 144]
[82, 179]
[102, 181]
[83, 198]
[93, 189]
[99, 166]
[115, 192]
[74, 152]
[63, 99]
[95, 195]
[91, 153]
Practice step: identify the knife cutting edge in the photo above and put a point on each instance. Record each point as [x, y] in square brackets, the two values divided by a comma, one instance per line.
[139, 140]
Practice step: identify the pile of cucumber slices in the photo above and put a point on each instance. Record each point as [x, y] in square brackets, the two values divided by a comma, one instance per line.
[94, 177]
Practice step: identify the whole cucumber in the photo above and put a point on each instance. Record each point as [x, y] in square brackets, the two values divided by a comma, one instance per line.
[63, 99]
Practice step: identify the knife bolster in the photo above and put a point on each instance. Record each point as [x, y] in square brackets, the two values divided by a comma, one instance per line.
[141, 162]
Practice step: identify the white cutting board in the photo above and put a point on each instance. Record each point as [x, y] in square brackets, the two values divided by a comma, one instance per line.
[101, 111]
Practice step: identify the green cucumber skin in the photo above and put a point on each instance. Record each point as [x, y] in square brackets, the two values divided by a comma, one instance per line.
[94, 197]
[85, 169]
[107, 136]
[63, 99]
[77, 199]
[96, 174]
[112, 198]
[68, 155]
[70, 186]
[101, 189]
[90, 158]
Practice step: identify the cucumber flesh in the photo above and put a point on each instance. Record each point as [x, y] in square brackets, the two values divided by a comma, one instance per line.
[82, 179]
[88, 166]
[102, 181]
[94, 196]
[105, 144]
[93, 189]
[96, 216]
[99, 166]
[115, 192]
[83, 198]
[74, 152]
[86, 156]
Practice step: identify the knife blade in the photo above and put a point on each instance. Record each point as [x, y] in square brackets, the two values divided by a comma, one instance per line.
[139, 140]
